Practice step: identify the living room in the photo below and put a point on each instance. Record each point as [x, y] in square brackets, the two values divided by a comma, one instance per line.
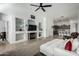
[30, 25]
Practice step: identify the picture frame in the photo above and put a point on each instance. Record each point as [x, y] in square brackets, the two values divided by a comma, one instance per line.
[32, 17]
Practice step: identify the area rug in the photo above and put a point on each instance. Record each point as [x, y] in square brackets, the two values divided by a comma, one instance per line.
[39, 54]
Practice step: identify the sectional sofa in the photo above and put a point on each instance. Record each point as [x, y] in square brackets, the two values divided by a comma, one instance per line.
[56, 48]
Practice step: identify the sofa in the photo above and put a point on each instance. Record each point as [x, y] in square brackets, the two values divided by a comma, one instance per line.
[56, 48]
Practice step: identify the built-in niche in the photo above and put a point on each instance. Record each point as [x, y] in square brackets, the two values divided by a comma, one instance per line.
[32, 36]
[19, 24]
[19, 36]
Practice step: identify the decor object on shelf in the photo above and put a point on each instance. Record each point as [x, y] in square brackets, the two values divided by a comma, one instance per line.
[20, 29]
[41, 6]
[56, 27]
[65, 26]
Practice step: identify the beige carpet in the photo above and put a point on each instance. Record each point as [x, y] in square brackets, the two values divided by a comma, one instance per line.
[27, 48]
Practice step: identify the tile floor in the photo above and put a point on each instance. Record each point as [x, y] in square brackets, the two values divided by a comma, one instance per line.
[27, 48]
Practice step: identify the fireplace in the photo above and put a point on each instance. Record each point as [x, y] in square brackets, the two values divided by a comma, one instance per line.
[32, 36]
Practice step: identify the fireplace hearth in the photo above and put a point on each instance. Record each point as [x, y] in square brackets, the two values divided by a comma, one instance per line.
[32, 36]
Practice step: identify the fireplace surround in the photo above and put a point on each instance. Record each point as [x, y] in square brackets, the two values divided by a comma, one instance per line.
[32, 36]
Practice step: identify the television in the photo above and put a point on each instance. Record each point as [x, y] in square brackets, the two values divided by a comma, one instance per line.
[32, 27]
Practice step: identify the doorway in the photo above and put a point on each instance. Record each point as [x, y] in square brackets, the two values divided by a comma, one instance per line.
[3, 30]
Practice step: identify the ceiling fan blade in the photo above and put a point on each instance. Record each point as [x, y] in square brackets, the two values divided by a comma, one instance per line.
[37, 9]
[47, 5]
[43, 9]
[41, 4]
[34, 5]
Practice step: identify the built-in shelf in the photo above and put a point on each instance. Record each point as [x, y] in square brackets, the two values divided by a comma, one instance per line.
[18, 32]
[22, 32]
[31, 31]
[19, 36]
[19, 24]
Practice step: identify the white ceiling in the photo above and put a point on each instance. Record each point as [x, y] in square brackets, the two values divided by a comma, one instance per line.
[24, 9]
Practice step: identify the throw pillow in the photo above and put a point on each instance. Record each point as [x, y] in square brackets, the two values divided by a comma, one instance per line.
[75, 44]
[68, 45]
[77, 50]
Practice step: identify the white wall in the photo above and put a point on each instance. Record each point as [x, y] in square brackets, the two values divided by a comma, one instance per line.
[24, 11]
[7, 24]
[58, 10]
[49, 24]
[11, 28]
[72, 26]
[44, 27]
[78, 21]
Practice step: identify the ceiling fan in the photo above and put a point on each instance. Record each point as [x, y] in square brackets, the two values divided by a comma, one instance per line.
[41, 6]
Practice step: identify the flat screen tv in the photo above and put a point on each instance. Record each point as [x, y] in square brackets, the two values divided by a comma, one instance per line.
[32, 28]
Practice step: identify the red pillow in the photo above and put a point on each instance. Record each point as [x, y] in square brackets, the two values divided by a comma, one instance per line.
[68, 46]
